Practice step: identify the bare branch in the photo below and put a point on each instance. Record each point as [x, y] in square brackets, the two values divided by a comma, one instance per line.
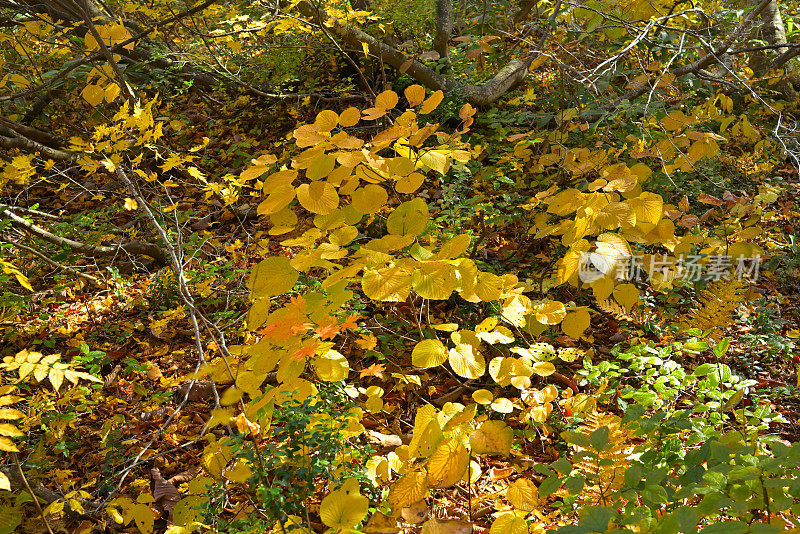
[95, 251]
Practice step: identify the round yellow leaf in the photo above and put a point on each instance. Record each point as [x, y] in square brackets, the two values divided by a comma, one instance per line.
[467, 361]
[502, 405]
[434, 280]
[345, 507]
[544, 368]
[93, 94]
[409, 218]
[492, 437]
[523, 494]
[509, 523]
[627, 295]
[278, 199]
[447, 464]
[390, 284]
[272, 276]
[318, 197]
[410, 488]
[369, 199]
[429, 353]
[551, 312]
[415, 94]
[576, 322]
[482, 396]
[349, 117]
[332, 366]
[410, 183]
[446, 526]
[326, 120]
[487, 325]
[386, 100]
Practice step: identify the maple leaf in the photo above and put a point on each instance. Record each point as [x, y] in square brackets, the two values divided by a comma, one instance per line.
[376, 369]
[367, 342]
[306, 351]
[327, 328]
[278, 331]
[350, 322]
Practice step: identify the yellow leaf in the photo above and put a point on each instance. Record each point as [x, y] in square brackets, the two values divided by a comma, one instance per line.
[551, 312]
[410, 183]
[492, 437]
[318, 197]
[326, 120]
[410, 488]
[570, 354]
[6, 445]
[111, 92]
[627, 295]
[345, 507]
[143, 516]
[576, 322]
[386, 100]
[216, 456]
[11, 413]
[523, 494]
[544, 368]
[434, 280]
[409, 218]
[436, 160]
[278, 199]
[446, 526]
[349, 117]
[482, 396]
[7, 429]
[487, 325]
[467, 361]
[415, 94]
[503, 405]
[93, 94]
[488, 287]
[516, 308]
[131, 204]
[369, 199]
[454, 247]
[272, 276]
[332, 366]
[240, 472]
[429, 353]
[447, 464]
[509, 523]
[5, 483]
[648, 207]
[390, 284]
[431, 103]
[56, 377]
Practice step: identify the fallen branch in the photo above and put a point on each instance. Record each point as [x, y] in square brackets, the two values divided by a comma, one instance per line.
[89, 278]
[135, 248]
[10, 138]
[479, 95]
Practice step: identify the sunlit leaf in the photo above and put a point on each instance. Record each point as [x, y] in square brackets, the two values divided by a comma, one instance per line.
[492, 437]
[429, 353]
[447, 464]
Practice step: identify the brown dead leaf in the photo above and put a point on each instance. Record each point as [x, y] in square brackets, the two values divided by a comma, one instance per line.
[164, 492]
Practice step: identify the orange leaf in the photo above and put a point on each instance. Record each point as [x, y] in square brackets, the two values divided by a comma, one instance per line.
[376, 369]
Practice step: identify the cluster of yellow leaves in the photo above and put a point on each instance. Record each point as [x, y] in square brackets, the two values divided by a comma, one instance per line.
[40, 367]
